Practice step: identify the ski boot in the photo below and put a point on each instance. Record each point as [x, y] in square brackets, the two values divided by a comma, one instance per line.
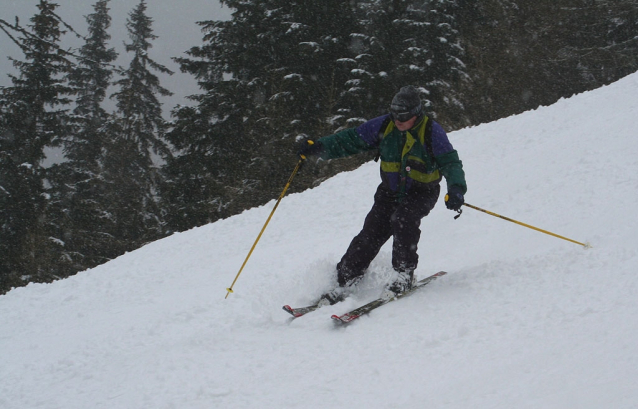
[339, 293]
[403, 282]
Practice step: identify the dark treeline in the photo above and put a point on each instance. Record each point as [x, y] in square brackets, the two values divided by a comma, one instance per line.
[278, 71]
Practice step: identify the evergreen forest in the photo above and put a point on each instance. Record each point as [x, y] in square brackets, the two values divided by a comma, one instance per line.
[277, 72]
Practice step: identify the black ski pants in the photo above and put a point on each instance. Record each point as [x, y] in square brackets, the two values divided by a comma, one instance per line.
[389, 218]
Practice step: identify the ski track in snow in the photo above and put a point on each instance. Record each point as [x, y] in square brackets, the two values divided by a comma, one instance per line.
[522, 319]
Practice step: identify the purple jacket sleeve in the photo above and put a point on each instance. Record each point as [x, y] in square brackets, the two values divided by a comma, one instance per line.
[440, 142]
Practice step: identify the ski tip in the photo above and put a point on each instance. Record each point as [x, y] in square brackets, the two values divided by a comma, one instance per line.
[344, 319]
[291, 311]
[439, 274]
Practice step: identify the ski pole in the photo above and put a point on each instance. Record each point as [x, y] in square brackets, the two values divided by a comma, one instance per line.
[586, 245]
[294, 172]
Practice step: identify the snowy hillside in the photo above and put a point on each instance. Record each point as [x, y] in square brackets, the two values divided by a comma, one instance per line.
[522, 320]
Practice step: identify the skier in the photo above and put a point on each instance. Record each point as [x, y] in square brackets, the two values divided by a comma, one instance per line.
[415, 153]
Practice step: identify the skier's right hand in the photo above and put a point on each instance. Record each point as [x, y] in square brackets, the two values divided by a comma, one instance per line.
[308, 147]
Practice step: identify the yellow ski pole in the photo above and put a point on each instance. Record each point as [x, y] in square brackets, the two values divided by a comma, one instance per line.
[586, 245]
[283, 193]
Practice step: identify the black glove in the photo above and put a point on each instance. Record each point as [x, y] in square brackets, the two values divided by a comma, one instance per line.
[454, 199]
[308, 147]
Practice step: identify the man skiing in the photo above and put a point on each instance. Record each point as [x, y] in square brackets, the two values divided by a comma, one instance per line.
[415, 153]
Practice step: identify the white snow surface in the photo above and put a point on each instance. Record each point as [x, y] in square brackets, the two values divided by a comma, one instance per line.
[522, 320]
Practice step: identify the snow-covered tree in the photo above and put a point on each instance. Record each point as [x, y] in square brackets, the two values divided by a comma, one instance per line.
[90, 80]
[136, 140]
[278, 69]
[77, 185]
[32, 119]
[411, 42]
[137, 99]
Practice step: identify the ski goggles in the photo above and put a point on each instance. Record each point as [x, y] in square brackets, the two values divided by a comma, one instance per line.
[401, 114]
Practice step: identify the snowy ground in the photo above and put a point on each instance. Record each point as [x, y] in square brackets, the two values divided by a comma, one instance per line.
[522, 320]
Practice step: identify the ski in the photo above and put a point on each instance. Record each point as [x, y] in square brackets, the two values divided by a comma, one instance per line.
[365, 309]
[298, 312]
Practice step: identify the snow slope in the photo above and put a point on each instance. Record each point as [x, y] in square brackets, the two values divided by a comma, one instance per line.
[522, 320]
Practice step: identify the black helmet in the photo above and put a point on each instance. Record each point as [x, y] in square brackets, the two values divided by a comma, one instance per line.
[406, 104]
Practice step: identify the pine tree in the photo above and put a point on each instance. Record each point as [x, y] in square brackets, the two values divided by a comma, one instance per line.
[378, 43]
[90, 80]
[311, 66]
[32, 120]
[137, 102]
[444, 67]
[139, 132]
[77, 185]
[600, 41]
[201, 178]
[277, 71]
[417, 43]
[39, 88]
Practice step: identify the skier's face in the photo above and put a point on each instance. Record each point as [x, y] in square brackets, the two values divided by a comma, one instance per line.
[404, 126]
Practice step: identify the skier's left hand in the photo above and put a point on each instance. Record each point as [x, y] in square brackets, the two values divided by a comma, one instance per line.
[454, 199]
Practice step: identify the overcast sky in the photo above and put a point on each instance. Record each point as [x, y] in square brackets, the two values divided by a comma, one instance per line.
[173, 21]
